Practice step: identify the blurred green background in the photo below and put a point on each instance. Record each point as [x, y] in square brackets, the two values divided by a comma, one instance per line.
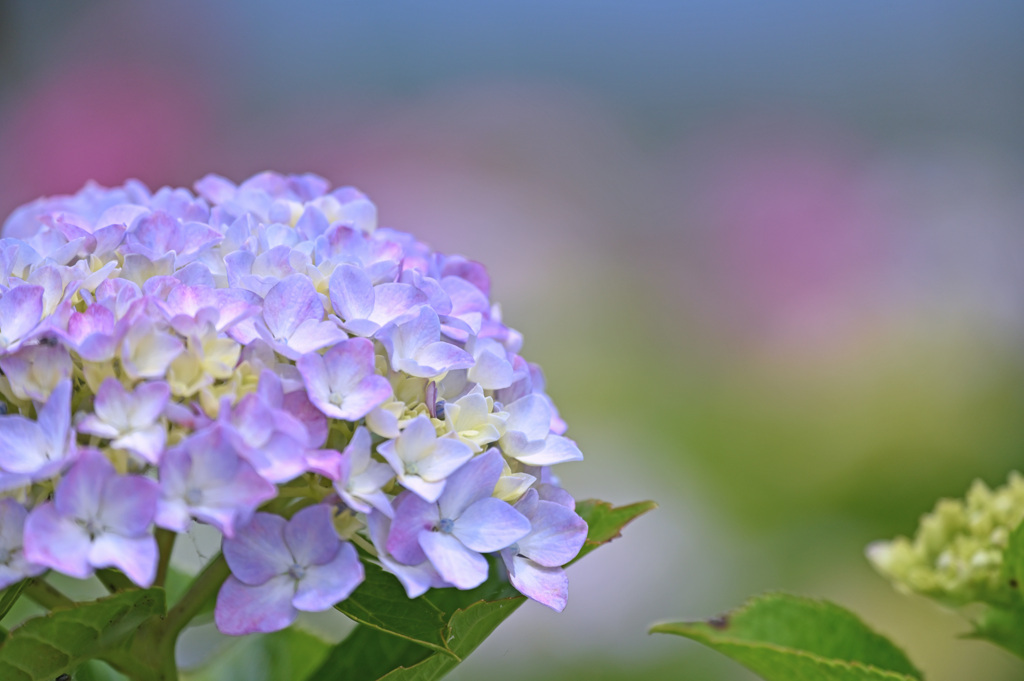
[769, 254]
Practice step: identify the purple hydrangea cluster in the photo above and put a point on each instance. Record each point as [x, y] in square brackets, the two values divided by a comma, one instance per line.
[263, 359]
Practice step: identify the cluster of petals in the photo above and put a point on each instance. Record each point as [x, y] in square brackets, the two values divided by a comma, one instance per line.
[264, 359]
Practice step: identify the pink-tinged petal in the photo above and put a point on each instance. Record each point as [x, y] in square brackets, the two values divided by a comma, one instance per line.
[23, 445]
[437, 358]
[12, 523]
[233, 503]
[555, 494]
[326, 462]
[324, 585]
[426, 490]
[57, 542]
[546, 585]
[35, 370]
[147, 443]
[393, 300]
[557, 535]
[149, 402]
[416, 440]
[383, 423]
[415, 579]
[134, 556]
[448, 456]
[490, 525]
[422, 330]
[556, 449]
[244, 609]
[289, 303]
[474, 481]
[257, 552]
[113, 402]
[92, 425]
[316, 379]
[491, 371]
[412, 517]
[530, 415]
[55, 416]
[348, 362]
[311, 537]
[147, 352]
[312, 223]
[351, 293]
[21, 308]
[455, 562]
[371, 392]
[129, 504]
[312, 335]
[79, 493]
[172, 514]
[215, 189]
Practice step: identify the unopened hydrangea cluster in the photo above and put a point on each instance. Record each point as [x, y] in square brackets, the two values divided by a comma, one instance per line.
[263, 359]
[957, 555]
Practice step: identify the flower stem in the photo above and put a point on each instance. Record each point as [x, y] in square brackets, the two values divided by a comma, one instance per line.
[113, 580]
[165, 542]
[46, 595]
[202, 590]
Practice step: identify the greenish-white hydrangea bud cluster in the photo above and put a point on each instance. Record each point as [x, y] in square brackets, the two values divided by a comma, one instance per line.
[957, 555]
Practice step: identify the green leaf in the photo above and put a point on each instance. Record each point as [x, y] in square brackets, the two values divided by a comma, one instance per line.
[787, 638]
[370, 653]
[422, 639]
[10, 597]
[606, 521]
[45, 647]
[1002, 624]
[380, 602]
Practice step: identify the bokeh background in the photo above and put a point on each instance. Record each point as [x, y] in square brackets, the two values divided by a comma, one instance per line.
[769, 254]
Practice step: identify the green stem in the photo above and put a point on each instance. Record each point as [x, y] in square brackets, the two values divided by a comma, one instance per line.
[46, 595]
[113, 580]
[150, 656]
[202, 590]
[11, 596]
[165, 542]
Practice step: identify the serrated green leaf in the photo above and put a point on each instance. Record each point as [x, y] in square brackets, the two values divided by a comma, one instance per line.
[422, 639]
[605, 522]
[788, 638]
[380, 602]
[45, 647]
[468, 629]
[368, 654]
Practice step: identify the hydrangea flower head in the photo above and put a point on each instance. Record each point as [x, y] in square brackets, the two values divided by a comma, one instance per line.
[263, 359]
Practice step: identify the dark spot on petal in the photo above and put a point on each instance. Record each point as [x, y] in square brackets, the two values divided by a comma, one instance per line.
[719, 622]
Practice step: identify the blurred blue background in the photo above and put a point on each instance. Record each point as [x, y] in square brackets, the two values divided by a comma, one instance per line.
[769, 254]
